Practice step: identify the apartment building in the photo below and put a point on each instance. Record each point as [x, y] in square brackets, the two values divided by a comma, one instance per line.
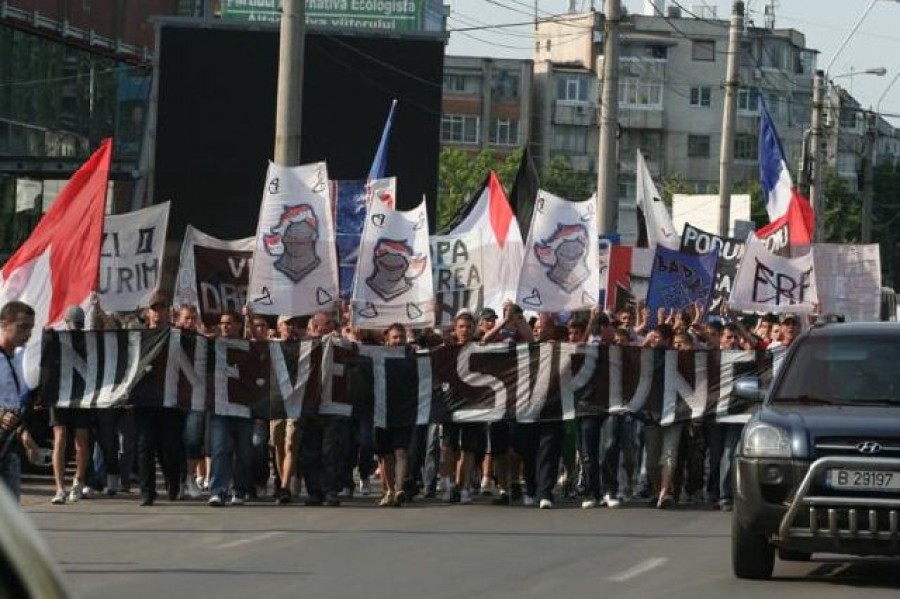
[486, 104]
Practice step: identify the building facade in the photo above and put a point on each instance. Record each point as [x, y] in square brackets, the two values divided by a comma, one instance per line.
[486, 104]
[670, 96]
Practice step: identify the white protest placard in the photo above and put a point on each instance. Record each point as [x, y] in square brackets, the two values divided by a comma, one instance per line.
[457, 269]
[131, 257]
[392, 282]
[848, 278]
[766, 282]
[294, 258]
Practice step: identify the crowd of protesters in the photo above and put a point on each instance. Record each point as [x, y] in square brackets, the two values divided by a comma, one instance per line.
[228, 459]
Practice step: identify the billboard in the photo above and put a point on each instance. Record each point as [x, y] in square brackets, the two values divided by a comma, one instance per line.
[215, 128]
[384, 15]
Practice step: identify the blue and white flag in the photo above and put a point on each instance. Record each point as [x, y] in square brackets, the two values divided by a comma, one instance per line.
[677, 280]
[393, 274]
[774, 175]
[561, 270]
[294, 268]
[379, 163]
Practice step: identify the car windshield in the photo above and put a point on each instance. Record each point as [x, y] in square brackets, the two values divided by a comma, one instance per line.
[843, 370]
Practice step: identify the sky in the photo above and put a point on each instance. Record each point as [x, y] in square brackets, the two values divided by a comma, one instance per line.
[826, 23]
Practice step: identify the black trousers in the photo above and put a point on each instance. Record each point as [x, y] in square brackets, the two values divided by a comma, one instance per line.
[160, 432]
[322, 453]
[539, 444]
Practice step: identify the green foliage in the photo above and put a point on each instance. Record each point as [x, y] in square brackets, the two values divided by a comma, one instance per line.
[758, 212]
[559, 178]
[461, 173]
[673, 184]
[843, 210]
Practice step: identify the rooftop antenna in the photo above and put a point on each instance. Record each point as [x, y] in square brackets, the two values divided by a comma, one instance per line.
[770, 15]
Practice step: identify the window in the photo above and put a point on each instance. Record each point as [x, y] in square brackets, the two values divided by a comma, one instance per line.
[703, 50]
[698, 146]
[746, 147]
[572, 88]
[656, 51]
[570, 139]
[634, 91]
[460, 128]
[701, 96]
[748, 99]
[504, 132]
[505, 84]
[462, 84]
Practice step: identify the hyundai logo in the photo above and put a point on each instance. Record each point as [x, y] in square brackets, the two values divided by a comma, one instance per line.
[868, 447]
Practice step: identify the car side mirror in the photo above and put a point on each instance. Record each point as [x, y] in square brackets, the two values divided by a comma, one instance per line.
[747, 388]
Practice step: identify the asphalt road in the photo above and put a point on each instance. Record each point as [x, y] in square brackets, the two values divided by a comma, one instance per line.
[111, 547]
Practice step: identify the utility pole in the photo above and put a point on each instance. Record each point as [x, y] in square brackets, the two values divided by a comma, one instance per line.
[729, 114]
[607, 173]
[868, 176]
[817, 163]
[289, 106]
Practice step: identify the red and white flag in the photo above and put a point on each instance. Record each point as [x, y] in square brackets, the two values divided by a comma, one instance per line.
[490, 214]
[58, 265]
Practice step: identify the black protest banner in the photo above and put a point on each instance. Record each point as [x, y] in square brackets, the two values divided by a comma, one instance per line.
[457, 267]
[393, 386]
[97, 370]
[698, 242]
[222, 279]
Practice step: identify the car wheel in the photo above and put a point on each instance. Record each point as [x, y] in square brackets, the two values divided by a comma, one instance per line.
[793, 556]
[751, 554]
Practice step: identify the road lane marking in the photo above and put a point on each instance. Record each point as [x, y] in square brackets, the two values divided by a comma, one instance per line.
[240, 542]
[638, 569]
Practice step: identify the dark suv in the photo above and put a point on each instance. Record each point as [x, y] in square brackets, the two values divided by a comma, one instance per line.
[818, 467]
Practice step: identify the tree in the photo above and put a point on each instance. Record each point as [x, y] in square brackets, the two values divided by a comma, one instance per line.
[843, 210]
[672, 184]
[559, 178]
[461, 173]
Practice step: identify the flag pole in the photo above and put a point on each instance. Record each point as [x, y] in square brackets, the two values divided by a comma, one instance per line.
[289, 106]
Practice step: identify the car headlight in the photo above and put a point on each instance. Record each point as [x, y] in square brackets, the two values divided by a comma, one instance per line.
[763, 440]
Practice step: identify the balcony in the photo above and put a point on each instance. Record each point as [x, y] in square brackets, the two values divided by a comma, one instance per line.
[640, 118]
[574, 113]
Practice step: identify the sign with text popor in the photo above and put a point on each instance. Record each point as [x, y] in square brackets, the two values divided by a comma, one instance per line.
[131, 256]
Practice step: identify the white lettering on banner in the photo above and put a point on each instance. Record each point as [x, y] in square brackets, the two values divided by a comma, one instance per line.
[779, 288]
[330, 371]
[530, 400]
[728, 360]
[617, 400]
[702, 242]
[676, 385]
[223, 297]
[778, 240]
[292, 392]
[569, 384]
[72, 364]
[237, 266]
[480, 379]
[113, 392]
[379, 356]
[225, 372]
[142, 276]
[179, 364]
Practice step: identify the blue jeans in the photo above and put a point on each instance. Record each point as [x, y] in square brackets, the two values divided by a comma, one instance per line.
[231, 452]
[194, 429]
[11, 473]
[589, 448]
[723, 440]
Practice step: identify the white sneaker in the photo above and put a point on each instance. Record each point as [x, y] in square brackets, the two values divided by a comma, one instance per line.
[77, 493]
[216, 500]
[465, 496]
[191, 489]
[528, 500]
[612, 502]
[59, 498]
[546, 504]
[345, 493]
[487, 486]
[588, 504]
[201, 483]
[365, 488]
[236, 500]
